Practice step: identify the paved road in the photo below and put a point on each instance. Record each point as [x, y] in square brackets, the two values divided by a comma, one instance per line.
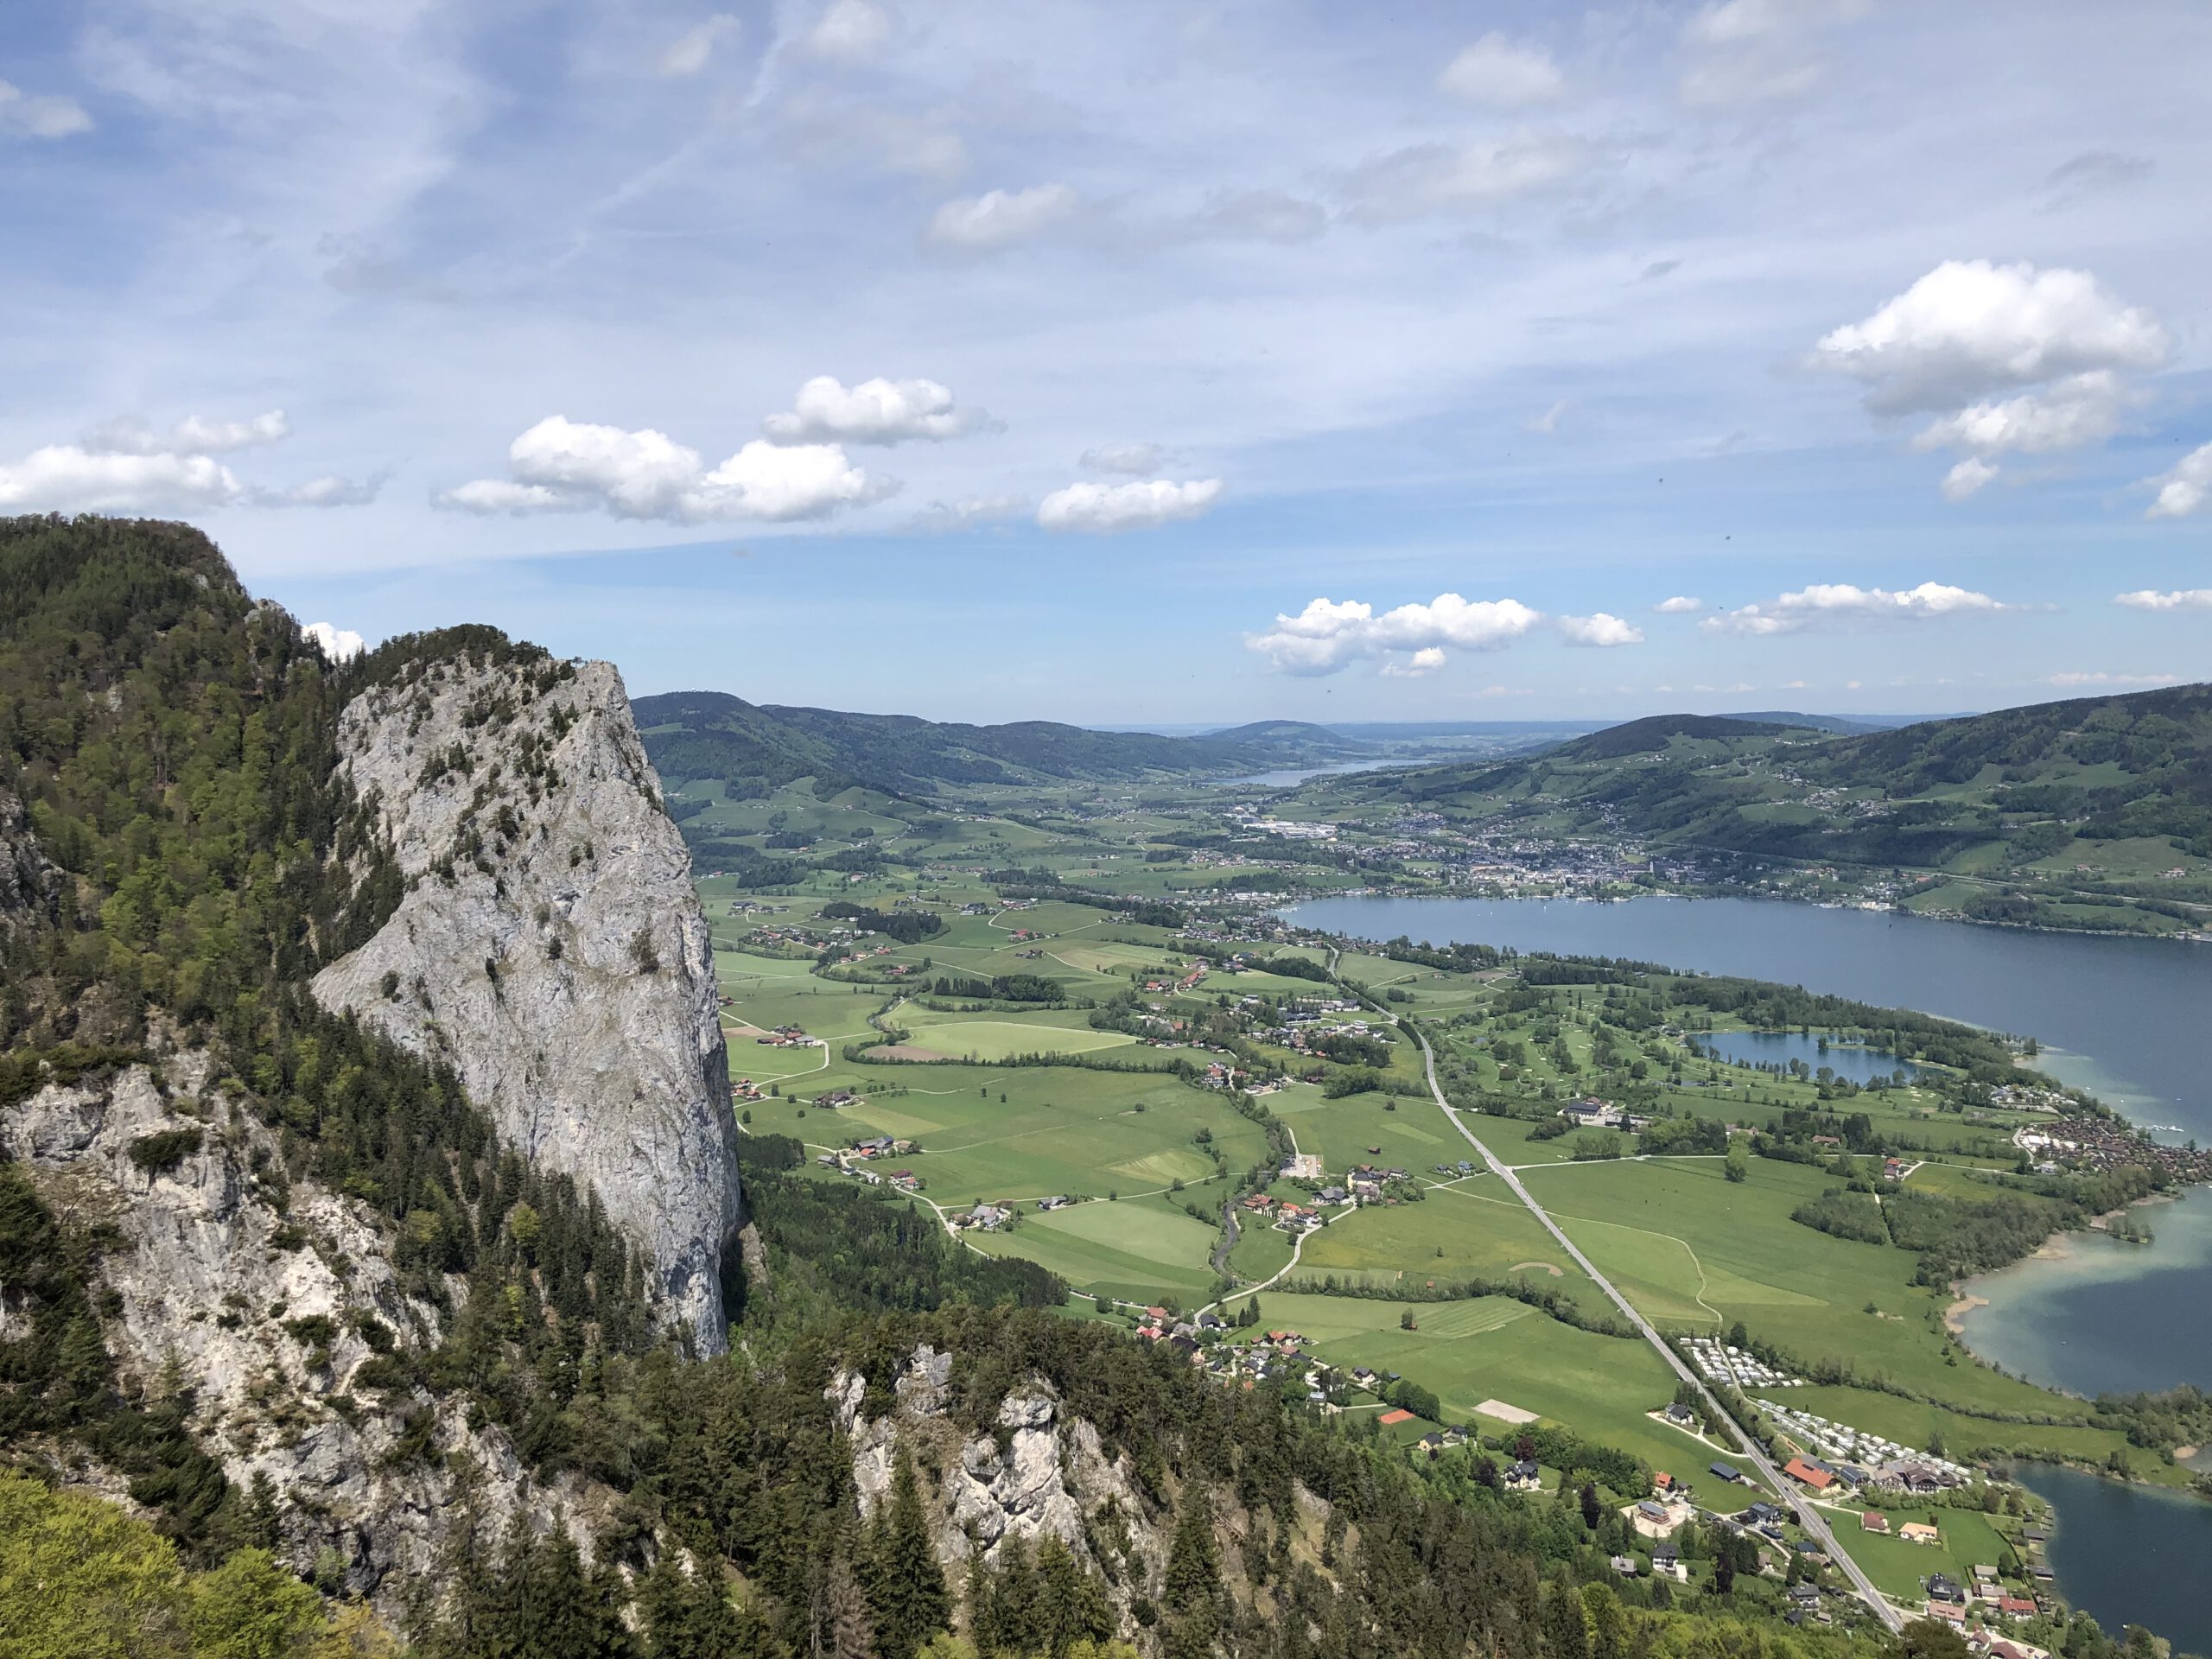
[1813, 1523]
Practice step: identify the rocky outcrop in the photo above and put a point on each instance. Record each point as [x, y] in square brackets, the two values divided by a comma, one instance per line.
[271, 1313]
[549, 945]
[1041, 1472]
[23, 893]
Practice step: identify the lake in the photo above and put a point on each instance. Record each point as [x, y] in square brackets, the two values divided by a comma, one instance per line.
[2129, 1555]
[1848, 1060]
[2123, 1017]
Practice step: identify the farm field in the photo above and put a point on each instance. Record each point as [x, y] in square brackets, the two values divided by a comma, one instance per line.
[1467, 1230]
[1131, 1250]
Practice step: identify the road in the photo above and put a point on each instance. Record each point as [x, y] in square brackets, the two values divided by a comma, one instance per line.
[1813, 1523]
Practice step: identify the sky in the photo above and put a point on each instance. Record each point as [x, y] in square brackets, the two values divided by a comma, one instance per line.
[1132, 363]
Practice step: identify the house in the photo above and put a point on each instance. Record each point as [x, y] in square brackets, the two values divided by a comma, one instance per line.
[2014, 1606]
[1624, 1566]
[1798, 1470]
[1919, 1532]
[989, 1216]
[1666, 1562]
[1873, 1520]
[1680, 1415]
[1523, 1476]
[1763, 1514]
[1942, 1587]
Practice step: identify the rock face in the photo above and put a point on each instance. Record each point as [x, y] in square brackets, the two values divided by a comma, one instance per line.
[550, 947]
[1041, 1474]
[269, 1319]
[23, 867]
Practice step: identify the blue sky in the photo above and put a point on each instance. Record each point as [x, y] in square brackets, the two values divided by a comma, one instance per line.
[1133, 362]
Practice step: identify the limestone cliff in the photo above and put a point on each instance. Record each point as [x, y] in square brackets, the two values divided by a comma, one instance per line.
[23, 867]
[270, 1301]
[549, 945]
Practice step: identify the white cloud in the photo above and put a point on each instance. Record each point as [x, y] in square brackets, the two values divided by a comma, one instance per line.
[1969, 327]
[1421, 663]
[1257, 216]
[1601, 628]
[2184, 489]
[1138, 459]
[2082, 408]
[695, 48]
[851, 31]
[969, 513]
[190, 436]
[874, 412]
[63, 478]
[1327, 633]
[1752, 51]
[340, 644]
[1680, 605]
[1840, 602]
[2080, 679]
[563, 465]
[1548, 421]
[2180, 599]
[1442, 178]
[1967, 477]
[1106, 508]
[1495, 72]
[998, 219]
[31, 115]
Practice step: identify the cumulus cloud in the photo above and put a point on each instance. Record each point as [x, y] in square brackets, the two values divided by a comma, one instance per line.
[1432, 178]
[29, 115]
[692, 51]
[191, 436]
[999, 219]
[340, 644]
[67, 477]
[2179, 598]
[1601, 628]
[1969, 329]
[2082, 408]
[1680, 605]
[969, 513]
[1501, 74]
[1105, 508]
[851, 31]
[564, 466]
[1842, 602]
[1328, 633]
[874, 412]
[1421, 663]
[2186, 488]
[2099, 678]
[1138, 459]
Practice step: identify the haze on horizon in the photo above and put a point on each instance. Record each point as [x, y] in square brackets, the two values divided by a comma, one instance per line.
[1146, 363]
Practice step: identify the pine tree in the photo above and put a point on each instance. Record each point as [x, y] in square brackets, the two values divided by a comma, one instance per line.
[906, 1592]
[844, 1630]
[1567, 1628]
[1193, 1562]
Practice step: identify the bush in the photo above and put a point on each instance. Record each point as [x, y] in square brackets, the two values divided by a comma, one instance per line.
[161, 1152]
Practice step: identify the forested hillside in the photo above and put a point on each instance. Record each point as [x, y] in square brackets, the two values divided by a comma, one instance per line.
[711, 735]
[2098, 800]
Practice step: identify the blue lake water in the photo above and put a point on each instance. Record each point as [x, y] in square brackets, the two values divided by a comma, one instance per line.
[2126, 1017]
[2130, 1555]
[1848, 1061]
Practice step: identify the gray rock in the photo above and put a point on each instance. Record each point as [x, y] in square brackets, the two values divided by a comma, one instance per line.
[24, 868]
[550, 948]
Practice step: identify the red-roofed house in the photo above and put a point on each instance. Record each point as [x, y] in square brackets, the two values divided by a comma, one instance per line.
[1819, 1479]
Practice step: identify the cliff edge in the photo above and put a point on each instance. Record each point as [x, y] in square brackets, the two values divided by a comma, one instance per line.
[549, 946]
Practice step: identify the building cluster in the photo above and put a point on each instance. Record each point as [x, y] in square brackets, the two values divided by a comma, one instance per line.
[1720, 1361]
[1856, 1457]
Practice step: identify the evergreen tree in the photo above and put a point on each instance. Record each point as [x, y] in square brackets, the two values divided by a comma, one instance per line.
[1567, 1628]
[844, 1628]
[906, 1592]
[1193, 1562]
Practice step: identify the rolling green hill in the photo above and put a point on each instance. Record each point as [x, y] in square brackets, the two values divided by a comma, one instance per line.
[712, 734]
[2097, 798]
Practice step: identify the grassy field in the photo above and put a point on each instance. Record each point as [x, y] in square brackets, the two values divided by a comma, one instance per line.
[1131, 1250]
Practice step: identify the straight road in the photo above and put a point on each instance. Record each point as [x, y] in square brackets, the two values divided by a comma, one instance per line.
[1810, 1518]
